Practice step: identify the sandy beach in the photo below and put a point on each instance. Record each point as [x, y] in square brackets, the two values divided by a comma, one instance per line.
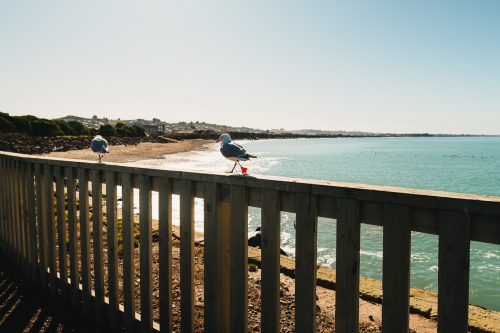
[142, 151]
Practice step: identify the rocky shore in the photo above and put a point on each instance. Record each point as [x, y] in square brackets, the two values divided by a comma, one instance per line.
[24, 144]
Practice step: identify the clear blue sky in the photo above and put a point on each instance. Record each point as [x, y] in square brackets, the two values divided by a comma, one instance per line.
[383, 66]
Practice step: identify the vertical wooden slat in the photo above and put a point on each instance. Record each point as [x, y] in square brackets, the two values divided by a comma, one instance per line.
[22, 214]
[72, 234]
[50, 226]
[165, 230]
[32, 223]
[98, 244]
[187, 256]
[2, 204]
[83, 192]
[112, 230]
[128, 252]
[239, 260]
[305, 262]
[347, 288]
[270, 274]
[145, 241]
[16, 211]
[61, 228]
[453, 276]
[42, 243]
[26, 219]
[396, 268]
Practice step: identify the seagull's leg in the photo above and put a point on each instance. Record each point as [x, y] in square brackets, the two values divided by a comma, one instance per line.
[100, 157]
[234, 166]
[243, 169]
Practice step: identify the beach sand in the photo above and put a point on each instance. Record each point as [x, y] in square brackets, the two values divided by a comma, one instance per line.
[142, 151]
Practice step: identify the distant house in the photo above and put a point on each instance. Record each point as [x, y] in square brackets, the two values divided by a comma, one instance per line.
[154, 128]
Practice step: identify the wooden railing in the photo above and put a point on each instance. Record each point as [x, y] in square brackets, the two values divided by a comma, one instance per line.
[45, 229]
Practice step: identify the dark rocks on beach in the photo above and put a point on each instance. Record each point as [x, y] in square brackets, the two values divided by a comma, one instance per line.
[256, 241]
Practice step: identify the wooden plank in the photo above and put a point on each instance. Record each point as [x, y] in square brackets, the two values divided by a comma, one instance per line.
[26, 219]
[187, 256]
[16, 213]
[128, 252]
[83, 191]
[98, 244]
[72, 234]
[396, 268]
[50, 226]
[165, 250]
[270, 274]
[453, 277]
[32, 223]
[305, 262]
[61, 235]
[2, 204]
[347, 288]
[112, 240]
[239, 260]
[145, 241]
[42, 242]
[22, 215]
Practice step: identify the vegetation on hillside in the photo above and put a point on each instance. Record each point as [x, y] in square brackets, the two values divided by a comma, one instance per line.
[34, 126]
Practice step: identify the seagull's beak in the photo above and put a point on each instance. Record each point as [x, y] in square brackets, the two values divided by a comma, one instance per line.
[218, 140]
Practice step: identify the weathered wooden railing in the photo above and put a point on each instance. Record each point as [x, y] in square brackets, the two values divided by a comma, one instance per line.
[34, 237]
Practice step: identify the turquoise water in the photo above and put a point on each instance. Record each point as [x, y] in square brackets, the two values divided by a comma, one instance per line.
[461, 164]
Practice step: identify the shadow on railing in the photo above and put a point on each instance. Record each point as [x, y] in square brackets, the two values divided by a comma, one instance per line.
[72, 243]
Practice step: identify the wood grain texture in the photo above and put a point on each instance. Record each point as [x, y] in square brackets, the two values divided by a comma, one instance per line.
[146, 263]
[453, 276]
[305, 263]
[97, 243]
[187, 256]
[239, 260]
[72, 234]
[165, 260]
[396, 268]
[42, 242]
[270, 270]
[32, 223]
[61, 232]
[347, 288]
[128, 252]
[85, 239]
[112, 243]
[50, 225]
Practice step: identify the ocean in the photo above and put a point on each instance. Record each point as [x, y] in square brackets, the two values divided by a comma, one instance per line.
[454, 164]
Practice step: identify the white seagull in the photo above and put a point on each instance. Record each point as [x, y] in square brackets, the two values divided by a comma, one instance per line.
[234, 152]
[99, 145]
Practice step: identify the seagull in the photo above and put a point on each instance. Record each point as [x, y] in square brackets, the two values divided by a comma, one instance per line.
[234, 152]
[99, 145]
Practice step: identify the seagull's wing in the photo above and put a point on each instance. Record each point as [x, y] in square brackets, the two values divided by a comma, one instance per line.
[99, 145]
[232, 150]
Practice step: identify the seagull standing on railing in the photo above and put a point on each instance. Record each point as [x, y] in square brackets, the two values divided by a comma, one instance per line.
[99, 145]
[234, 152]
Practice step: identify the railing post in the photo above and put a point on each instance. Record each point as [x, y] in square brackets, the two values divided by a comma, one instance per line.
[128, 252]
[165, 253]
[239, 260]
[98, 245]
[83, 192]
[50, 226]
[217, 214]
[270, 252]
[62, 230]
[453, 276]
[145, 241]
[396, 268]
[305, 262]
[32, 224]
[42, 235]
[72, 234]
[347, 288]
[112, 238]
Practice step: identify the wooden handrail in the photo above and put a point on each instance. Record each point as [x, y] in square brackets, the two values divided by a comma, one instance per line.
[45, 225]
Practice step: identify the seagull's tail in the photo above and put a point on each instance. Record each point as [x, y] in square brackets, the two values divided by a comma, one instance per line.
[250, 156]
